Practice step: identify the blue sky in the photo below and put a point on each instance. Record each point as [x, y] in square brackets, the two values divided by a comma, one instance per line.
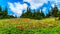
[17, 6]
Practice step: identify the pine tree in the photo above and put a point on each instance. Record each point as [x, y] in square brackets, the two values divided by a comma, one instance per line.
[0, 10]
[49, 14]
[58, 15]
[27, 14]
[55, 11]
[38, 14]
[1, 14]
[33, 14]
[42, 14]
[5, 13]
[23, 15]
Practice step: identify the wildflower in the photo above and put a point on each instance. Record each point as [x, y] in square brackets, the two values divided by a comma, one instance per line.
[30, 26]
[34, 26]
[50, 26]
[20, 27]
[25, 20]
[53, 23]
[43, 25]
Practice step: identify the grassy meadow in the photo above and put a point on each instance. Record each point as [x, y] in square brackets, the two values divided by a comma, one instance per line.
[29, 26]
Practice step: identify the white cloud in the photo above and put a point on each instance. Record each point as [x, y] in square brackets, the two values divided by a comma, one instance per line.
[36, 3]
[44, 9]
[52, 5]
[56, 1]
[17, 7]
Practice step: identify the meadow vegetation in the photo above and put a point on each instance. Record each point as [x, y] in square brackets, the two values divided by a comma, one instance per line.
[29, 26]
[30, 22]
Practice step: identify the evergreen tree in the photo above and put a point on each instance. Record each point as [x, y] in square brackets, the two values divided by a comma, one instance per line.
[33, 14]
[5, 13]
[42, 14]
[0, 10]
[55, 11]
[58, 15]
[23, 15]
[49, 14]
[38, 14]
[11, 16]
[1, 14]
[27, 14]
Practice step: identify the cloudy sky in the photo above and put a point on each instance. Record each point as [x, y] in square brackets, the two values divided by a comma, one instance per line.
[17, 6]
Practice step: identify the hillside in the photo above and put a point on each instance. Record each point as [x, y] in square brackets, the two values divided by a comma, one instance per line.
[29, 26]
[20, 21]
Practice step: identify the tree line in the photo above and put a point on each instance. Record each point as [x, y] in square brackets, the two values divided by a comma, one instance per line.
[33, 15]
[54, 12]
[4, 13]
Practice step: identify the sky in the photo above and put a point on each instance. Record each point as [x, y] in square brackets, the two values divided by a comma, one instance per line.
[16, 7]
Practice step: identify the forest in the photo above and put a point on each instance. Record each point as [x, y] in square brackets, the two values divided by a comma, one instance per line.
[54, 12]
[30, 22]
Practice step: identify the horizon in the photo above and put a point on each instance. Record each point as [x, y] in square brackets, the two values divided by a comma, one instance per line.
[17, 6]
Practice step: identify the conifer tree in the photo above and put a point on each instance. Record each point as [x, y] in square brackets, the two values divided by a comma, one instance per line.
[33, 14]
[0, 10]
[55, 11]
[38, 14]
[5, 13]
[42, 14]
[1, 14]
[27, 14]
[58, 15]
[23, 15]
[49, 14]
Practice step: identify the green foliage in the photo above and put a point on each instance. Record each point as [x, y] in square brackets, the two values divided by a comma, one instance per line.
[0, 9]
[38, 15]
[9, 31]
[58, 15]
[1, 12]
[42, 14]
[34, 15]
[4, 13]
[27, 14]
[55, 11]
[49, 14]
[51, 27]
[14, 30]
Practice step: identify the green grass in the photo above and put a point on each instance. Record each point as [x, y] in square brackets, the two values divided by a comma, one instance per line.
[29, 26]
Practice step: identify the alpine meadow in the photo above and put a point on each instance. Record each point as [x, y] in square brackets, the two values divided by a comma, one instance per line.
[21, 19]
